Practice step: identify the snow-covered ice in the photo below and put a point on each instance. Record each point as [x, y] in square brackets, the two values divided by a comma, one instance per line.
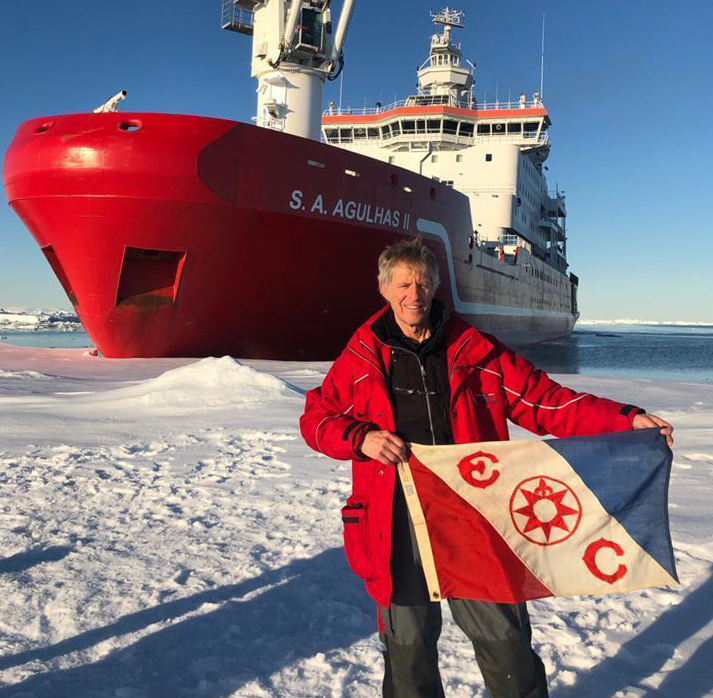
[644, 323]
[22, 319]
[164, 532]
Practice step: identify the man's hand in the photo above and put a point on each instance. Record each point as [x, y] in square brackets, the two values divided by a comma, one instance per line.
[647, 421]
[385, 447]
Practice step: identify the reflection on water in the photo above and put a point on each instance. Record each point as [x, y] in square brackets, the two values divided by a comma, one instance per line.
[639, 351]
[675, 353]
[46, 338]
[558, 356]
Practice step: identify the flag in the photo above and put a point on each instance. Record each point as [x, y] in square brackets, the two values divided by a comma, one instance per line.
[515, 520]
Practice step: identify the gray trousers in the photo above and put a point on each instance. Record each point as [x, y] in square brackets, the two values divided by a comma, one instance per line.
[500, 634]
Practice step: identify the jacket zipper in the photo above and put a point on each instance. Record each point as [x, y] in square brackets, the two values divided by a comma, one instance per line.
[425, 392]
[455, 356]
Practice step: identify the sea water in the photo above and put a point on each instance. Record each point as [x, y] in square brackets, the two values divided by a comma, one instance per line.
[55, 339]
[672, 352]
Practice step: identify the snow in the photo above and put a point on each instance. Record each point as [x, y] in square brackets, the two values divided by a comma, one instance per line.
[23, 319]
[165, 532]
[644, 323]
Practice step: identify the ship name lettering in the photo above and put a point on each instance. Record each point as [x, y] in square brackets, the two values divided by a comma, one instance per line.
[362, 211]
[318, 205]
[296, 200]
[352, 210]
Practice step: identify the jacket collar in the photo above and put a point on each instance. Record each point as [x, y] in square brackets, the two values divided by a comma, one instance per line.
[365, 345]
[387, 330]
[465, 346]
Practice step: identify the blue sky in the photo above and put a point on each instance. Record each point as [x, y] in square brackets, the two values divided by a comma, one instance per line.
[627, 85]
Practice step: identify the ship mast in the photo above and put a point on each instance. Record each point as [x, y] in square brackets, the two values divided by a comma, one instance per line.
[293, 53]
[444, 73]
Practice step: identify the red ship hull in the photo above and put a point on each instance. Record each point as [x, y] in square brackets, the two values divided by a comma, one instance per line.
[191, 236]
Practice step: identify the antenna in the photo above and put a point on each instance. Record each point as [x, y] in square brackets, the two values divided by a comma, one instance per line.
[542, 60]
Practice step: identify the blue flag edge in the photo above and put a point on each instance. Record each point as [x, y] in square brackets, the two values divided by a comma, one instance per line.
[602, 459]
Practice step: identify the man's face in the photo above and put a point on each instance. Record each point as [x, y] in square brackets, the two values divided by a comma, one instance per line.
[409, 294]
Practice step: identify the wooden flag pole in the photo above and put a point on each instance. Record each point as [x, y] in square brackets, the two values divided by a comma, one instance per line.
[419, 526]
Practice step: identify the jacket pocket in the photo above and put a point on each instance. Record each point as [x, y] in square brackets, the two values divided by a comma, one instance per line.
[356, 537]
[491, 400]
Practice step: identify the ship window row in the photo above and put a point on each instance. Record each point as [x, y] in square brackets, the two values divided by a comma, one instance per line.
[447, 59]
[450, 127]
[543, 275]
[527, 128]
[542, 302]
[436, 157]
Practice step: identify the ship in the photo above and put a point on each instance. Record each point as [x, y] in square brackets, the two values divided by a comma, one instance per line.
[179, 235]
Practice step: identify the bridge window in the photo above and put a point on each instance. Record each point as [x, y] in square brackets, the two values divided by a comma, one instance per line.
[450, 127]
[420, 126]
[331, 134]
[483, 129]
[372, 132]
[385, 131]
[409, 126]
[498, 129]
[433, 126]
[359, 133]
[396, 128]
[466, 129]
[530, 129]
[515, 128]
[345, 135]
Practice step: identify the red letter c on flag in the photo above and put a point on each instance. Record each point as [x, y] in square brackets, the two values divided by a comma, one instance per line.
[590, 560]
[467, 467]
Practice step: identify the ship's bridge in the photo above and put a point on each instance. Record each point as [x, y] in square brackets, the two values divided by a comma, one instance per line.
[444, 114]
[444, 121]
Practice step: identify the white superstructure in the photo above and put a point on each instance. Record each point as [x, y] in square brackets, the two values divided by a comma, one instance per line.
[493, 153]
[293, 53]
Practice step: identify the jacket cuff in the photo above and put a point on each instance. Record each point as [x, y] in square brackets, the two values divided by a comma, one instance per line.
[358, 437]
[630, 411]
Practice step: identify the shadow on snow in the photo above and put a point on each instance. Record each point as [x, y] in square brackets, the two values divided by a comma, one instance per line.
[35, 556]
[260, 626]
[647, 652]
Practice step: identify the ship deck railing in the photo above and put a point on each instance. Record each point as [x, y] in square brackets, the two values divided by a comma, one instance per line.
[434, 101]
[423, 139]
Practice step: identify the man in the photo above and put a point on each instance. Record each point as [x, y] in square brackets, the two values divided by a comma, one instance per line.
[414, 374]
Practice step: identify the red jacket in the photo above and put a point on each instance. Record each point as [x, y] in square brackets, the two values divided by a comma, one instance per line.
[489, 385]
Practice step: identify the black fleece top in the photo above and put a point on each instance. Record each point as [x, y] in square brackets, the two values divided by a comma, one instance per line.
[420, 396]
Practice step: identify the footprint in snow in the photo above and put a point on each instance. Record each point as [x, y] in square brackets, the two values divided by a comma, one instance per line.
[697, 457]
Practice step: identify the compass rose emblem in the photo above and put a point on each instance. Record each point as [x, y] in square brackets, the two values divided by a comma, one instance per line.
[545, 511]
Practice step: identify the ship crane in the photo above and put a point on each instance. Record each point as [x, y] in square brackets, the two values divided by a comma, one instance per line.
[112, 104]
[294, 51]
